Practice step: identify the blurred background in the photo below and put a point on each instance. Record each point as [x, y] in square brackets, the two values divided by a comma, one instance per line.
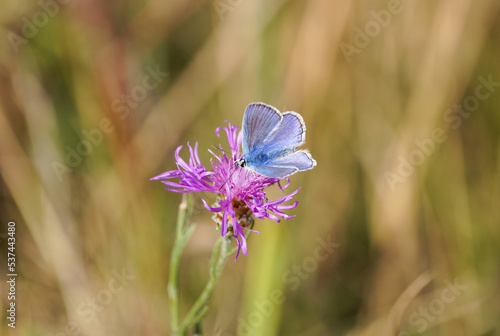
[400, 99]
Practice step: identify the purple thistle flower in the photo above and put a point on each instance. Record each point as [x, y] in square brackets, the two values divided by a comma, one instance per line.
[240, 191]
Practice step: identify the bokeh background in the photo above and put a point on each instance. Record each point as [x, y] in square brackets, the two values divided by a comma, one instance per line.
[401, 103]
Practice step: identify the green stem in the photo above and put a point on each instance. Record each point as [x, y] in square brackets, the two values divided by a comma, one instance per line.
[213, 257]
[181, 237]
[200, 307]
[222, 250]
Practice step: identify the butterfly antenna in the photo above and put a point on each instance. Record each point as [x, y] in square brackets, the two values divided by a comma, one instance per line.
[227, 179]
[222, 150]
[232, 171]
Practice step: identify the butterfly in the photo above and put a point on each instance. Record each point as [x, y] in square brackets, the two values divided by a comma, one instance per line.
[271, 142]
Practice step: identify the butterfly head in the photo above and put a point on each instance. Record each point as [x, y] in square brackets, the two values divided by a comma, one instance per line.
[240, 163]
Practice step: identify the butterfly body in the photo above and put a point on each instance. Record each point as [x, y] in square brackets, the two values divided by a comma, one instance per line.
[271, 142]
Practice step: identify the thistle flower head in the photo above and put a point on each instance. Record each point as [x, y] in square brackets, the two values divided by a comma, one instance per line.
[241, 195]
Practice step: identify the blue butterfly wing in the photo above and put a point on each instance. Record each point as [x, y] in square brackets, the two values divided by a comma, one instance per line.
[287, 137]
[280, 167]
[259, 122]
